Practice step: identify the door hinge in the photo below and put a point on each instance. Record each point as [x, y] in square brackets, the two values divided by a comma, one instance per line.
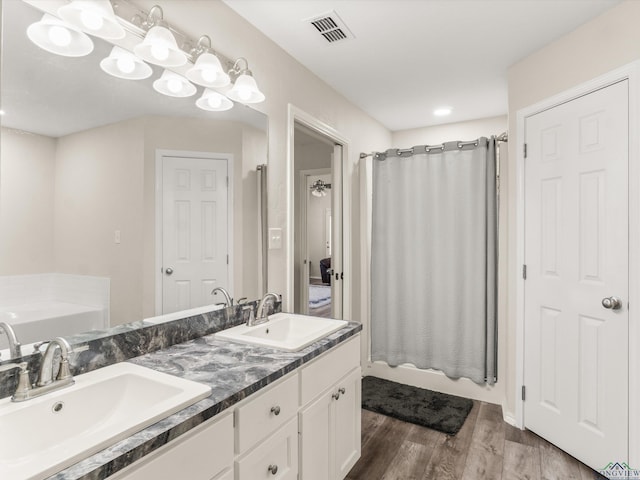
[524, 272]
[227, 182]
[524, 148]
[227, 259]
[523, 392]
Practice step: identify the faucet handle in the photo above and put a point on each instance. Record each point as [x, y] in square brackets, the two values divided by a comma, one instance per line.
[247, 314]
[64, 371]
[24, 383]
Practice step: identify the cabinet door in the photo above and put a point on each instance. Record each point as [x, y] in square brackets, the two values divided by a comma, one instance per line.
[315, 454]
[276, 458]
[347, 423]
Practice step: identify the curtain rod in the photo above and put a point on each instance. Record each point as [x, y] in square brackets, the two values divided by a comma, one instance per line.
[503, 137]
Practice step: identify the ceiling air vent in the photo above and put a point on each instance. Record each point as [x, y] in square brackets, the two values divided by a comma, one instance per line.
[331, 27]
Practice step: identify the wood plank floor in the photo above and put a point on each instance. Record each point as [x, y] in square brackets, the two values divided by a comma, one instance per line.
[486, 448]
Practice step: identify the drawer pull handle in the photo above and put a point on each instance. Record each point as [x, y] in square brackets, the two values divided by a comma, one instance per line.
[273, 469]
[276, 411]
[336, 396]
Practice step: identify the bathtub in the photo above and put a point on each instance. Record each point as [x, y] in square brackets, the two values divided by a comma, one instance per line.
[169, 317]
[44, 320]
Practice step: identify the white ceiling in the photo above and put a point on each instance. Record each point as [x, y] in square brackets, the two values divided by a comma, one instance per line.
[410, 57]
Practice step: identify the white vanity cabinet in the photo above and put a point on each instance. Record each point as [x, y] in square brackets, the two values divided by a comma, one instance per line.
[203, 453]
[304, 426]
[330, 416]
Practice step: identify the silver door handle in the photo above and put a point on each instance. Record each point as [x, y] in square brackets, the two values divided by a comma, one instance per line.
[613, 303]
[168, 271]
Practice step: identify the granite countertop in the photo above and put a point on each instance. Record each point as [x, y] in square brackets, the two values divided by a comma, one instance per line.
[232, 370]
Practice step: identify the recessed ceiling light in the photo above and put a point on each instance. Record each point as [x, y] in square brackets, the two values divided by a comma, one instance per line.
[442, 111]
[1, 112]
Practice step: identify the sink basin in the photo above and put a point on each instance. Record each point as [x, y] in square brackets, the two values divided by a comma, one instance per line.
[284, 331]
[44, 435]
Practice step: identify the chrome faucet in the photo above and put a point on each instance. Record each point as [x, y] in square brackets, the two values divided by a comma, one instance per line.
[227, 298]
[46, 382]
[14, 344]
[261, 315]
[45, 377]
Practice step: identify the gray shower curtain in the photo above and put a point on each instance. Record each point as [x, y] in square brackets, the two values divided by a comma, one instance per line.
[434, 259]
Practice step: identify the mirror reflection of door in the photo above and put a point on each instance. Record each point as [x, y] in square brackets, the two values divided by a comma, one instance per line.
[195, 250]
[318, 240]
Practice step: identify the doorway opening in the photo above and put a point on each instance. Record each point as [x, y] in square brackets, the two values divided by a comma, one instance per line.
[318, 253]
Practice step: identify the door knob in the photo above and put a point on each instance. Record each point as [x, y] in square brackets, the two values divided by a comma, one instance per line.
[168, 271]
[613, 303]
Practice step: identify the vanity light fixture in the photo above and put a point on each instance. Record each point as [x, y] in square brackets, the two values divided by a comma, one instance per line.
[213, 101]
[174, 85]
[319, 188]
[207, 70]
[159, 45]
[56, 36]
[95, 17]
[124, 64]
[245, 89]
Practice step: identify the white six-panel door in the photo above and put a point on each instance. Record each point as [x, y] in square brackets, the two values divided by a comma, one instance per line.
[576, 253]
[194, 231]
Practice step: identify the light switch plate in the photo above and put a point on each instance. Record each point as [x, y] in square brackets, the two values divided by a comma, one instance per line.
[275, 238]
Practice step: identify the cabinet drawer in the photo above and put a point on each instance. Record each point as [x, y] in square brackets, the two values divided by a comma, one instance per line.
[328, 369]
[274, 459]
[263, 415]
[204, 453]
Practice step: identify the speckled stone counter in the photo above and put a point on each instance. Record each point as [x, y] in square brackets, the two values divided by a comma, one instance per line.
[232, 370]
[99, 348]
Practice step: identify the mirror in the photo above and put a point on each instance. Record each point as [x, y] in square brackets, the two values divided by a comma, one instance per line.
[80, 171]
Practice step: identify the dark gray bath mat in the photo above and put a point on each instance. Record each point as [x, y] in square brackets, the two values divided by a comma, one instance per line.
[439, 411]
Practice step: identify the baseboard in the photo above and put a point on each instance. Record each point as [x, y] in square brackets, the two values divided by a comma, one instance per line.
[509, 417]
[437, 381]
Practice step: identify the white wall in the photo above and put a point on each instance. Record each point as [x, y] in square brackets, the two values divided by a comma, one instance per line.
[26, 202]
[449, 132]
[284, 81]
[599, 46]
[99, 178]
